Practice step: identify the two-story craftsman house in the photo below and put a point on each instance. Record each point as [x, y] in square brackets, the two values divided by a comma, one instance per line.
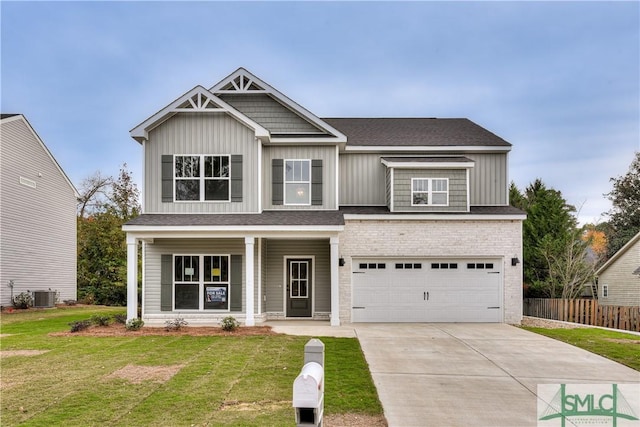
[255, 207]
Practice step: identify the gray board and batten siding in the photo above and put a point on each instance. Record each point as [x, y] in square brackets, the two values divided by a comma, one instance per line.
[274, 279]
[363, 180]
[38, 248]
[272, 268]
[201, 133]
[153, 265]
[325, 153]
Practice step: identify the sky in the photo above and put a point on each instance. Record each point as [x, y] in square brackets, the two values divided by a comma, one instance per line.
[558, 80]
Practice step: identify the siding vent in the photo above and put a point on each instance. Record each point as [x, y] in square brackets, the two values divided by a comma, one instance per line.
[28, 182]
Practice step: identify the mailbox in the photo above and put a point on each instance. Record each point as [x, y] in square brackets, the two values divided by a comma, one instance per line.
[308, 395]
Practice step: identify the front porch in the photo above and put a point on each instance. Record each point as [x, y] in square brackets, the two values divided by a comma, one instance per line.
[255, 278]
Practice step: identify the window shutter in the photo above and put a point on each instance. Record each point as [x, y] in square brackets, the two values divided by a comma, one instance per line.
[166, 282]
[236, 178]
[277, 183]
[236, 283]
[316, 182]
[167, 178]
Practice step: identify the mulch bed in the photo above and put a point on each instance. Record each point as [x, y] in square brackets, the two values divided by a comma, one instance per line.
[118, 330]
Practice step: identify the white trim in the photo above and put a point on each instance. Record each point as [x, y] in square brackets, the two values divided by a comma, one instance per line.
[427, 165]
[144, 277]
[468, 190]
[285, 100]
[144, 176]
[259, 269]
[307, 232]
[141, 132]
[202, 179]
[427, 148]
[297, 141]
[337, 177]
[201, 283]
[260, 178]
[430, 192]
[392, 179]
[334, 257]
[132, 277]
[434, 217]
[605, 291]
[285, 182]
[249, 249]
[285, 276]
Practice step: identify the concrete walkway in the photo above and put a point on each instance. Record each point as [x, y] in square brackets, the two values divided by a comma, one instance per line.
[466, 374]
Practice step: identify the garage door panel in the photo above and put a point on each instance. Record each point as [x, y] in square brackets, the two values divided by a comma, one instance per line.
[425, 290]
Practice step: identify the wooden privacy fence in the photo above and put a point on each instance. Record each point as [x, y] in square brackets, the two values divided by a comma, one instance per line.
[584, 311]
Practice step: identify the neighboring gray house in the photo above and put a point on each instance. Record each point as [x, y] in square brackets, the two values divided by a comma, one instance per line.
[37, 215]
[619, 277]
[255, 207]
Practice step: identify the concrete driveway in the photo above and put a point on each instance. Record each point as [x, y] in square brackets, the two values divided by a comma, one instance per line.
[472, 374]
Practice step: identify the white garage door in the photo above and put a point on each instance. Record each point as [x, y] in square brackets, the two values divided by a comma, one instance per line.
[427, 290]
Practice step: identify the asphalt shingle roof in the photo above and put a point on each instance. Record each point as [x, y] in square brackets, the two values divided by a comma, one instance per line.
[415, 132]
[293, 218]
[267, 218]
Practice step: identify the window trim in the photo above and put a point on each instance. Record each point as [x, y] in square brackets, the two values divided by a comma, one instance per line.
[430, 192]
[285, 182]
[605, 291]
[202, 179]
[202, 284]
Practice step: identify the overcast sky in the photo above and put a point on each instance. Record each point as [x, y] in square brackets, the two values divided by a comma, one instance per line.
[559, 80]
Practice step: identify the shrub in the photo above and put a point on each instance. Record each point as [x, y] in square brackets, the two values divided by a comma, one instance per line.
[175, 324]
[79, 325]
[134, 324]
[120, 318]
[229, 324]
[23, 300]
[101, 319]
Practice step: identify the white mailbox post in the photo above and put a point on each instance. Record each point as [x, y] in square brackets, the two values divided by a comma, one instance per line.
[308, 387]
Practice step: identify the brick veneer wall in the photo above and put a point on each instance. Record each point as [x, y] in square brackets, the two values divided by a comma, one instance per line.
[407, 238]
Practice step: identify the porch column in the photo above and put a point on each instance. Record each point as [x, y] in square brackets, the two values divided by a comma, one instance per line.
[335, 282]
[248, 246]
[132, 277]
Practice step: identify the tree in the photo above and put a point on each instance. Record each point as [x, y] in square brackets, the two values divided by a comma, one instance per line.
[104, 206]
[572, 267]
[624, 216]
[93, 193]
[549, 227]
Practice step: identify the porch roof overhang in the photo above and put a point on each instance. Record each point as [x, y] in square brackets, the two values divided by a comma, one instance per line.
[266, 224]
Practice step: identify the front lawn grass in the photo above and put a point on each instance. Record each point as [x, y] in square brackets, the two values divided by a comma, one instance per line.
[220, 380]
[621, 347]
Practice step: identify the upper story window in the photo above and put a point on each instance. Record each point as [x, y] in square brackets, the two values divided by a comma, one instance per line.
[430, 191]
[297, 182]
[202, 178]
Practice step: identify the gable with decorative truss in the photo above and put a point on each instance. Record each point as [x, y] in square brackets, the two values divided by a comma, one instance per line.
[242, 83]
[198, 100]
[284, 118]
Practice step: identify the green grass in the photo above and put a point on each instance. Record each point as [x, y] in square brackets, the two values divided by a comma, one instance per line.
[223, 381]
[621, 347]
